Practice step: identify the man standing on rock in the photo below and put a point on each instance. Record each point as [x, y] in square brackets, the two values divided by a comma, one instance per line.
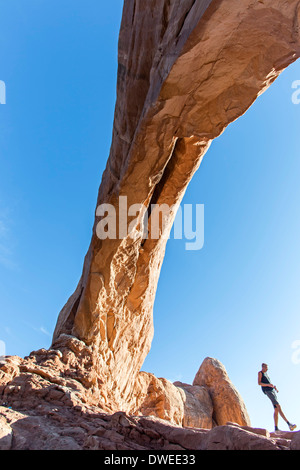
[270, 390]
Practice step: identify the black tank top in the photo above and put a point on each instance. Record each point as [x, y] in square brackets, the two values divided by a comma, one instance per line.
[265, 380]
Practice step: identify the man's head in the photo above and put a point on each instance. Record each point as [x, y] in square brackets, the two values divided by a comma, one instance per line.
[264, 367]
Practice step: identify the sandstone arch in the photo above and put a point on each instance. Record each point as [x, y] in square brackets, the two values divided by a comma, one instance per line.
[186, 70]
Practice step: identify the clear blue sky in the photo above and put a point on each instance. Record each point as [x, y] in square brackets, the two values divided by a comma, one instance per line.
[237, 299]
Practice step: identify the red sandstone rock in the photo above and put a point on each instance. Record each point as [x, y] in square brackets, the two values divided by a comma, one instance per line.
[235, 438]
[198, 406]
[261, 431]
[158, 397]
[46, 407]
[186, 71]
[228, 405]
[295, 441]
[90, 429]
[65, 376]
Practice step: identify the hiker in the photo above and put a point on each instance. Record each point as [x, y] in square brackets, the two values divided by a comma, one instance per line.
[270, 390]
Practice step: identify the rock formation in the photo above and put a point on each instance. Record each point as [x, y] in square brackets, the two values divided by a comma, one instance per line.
[226, 401]
[47, 404]
[186, 70]
[88, 429]
[65, 377]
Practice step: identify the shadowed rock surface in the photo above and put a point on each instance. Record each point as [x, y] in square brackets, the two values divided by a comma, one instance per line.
[86, 428]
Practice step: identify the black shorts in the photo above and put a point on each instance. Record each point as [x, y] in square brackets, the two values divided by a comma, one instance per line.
[272, 395]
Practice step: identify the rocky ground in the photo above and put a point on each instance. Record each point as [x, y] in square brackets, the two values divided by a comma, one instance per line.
[86, 428]
[49, 401]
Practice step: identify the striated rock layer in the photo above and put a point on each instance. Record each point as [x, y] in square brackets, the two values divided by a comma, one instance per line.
[186, 70]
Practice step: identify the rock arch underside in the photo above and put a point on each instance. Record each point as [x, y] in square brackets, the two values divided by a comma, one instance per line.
[186, 69]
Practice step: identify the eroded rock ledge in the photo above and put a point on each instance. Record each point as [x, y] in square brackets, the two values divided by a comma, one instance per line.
[65, 376]
[47, 401]
[87, 428]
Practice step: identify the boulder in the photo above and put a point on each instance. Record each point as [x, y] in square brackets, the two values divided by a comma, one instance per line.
[235, 438]
[198, 406]
[158, 397]
[228, 404]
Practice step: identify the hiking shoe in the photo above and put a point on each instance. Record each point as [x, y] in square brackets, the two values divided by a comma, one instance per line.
[292, 427]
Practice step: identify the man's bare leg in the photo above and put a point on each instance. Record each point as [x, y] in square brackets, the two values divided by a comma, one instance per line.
[276, 416]
[278, 408]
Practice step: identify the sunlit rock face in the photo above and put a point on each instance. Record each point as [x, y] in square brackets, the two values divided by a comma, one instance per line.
[185, 71]
[227, 403]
